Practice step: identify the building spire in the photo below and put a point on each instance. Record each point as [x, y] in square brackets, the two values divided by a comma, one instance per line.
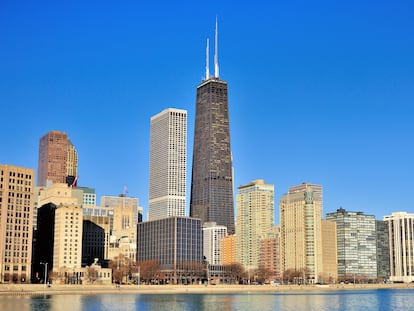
[216, 66]
[207, 62]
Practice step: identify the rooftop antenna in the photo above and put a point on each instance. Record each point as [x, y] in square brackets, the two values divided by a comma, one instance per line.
[207, 63]
[216, 66]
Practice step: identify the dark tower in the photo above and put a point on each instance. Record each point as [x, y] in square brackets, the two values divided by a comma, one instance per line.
[212, 175]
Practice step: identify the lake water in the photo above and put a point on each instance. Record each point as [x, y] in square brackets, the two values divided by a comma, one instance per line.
[382, 299]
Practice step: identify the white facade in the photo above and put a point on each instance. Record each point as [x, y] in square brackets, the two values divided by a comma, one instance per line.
[168, 162]
[212, 236]
[401, 235]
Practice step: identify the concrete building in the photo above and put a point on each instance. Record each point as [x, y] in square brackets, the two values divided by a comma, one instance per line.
[228, 250]
[255, 218]
[357, 245]
[212, 236]
[212, 170]
[168, 164]
[383, 250]
[401, 239]
[58, 238]
[329, 272]
[269, 254]
[58, 159]
[176, 244]
[16, 223]
[123, 239]
[301, 231]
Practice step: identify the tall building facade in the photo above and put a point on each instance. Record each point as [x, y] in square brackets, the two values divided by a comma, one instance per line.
[269, 254]
[168, 163]
[255, 218]
[212, 237]
[212, 170]
[58, 159]
[16, 223]
[357, 244]
[176, 243]
[301, 230]
[329, 272]
[228, 250]
[401, 233]
[59, 233]
[383, 250]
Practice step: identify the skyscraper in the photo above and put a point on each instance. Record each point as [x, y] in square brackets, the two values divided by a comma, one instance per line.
[357, 244]
[58, 159]
[16, 223]
[168, 161]
[212, 237]
[212, 174]
[255, 219]
[401, 229]
[301, 231]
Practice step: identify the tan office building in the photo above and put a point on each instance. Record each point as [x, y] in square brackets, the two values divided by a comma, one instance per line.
[16, 223]
[255, 218]
[329, 272]
[301, 231]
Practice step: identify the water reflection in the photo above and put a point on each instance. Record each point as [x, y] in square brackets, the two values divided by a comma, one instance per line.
[329, 300]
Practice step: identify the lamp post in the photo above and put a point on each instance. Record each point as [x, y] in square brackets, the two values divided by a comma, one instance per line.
[45, 264]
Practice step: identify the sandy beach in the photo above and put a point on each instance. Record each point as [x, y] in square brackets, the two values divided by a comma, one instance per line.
[39, 289]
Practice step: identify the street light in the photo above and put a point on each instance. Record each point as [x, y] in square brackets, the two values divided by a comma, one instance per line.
[45, 264]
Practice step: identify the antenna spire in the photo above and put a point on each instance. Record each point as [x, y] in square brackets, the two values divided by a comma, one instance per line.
[216, 66]
[207, 62]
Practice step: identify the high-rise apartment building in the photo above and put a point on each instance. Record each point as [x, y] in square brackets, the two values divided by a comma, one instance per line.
[357, 245]
[58, 159]
[301, 232]
[401, 233]
[212, 171]
[16, 223]
[212, 236]
[269, 254]
[228, 250]
[168, 162]
[383, 250]
[255, 218]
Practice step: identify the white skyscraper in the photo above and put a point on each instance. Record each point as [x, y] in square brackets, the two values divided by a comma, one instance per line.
[168, 162]
[212, 236]
[401, 239]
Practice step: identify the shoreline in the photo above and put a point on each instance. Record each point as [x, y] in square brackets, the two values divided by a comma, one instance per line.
[40, 289]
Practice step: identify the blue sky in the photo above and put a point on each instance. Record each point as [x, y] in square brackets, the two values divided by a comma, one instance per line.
[319, 91]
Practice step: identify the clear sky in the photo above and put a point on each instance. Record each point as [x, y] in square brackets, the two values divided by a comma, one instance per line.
[319, 91]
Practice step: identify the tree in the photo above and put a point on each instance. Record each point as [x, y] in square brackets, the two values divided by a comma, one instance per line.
[122, 268]
[235, 271]
[149, 270]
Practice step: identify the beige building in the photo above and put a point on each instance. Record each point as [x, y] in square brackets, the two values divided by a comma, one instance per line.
[16, 223]
[301, 231]
[57, 159]
[329, 272]
[401, 232]
[228, 250]
[59, 233]
[255, 218]
[123, 239]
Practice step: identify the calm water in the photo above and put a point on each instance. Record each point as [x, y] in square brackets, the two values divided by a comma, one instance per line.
[384, 299]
